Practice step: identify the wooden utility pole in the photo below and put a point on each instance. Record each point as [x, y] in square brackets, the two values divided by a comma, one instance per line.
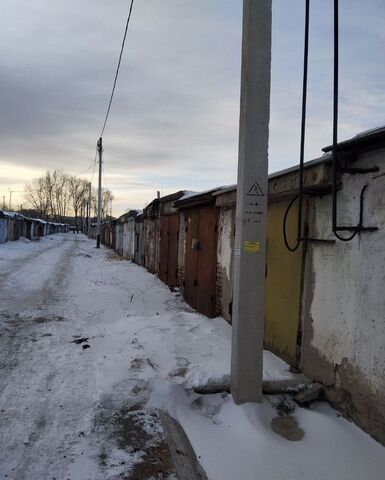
[100, 152]
[252, 192]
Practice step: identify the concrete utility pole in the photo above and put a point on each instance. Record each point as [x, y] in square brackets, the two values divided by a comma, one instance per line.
[252, 192]
[100, 150]
[10, 198]
[89, 209]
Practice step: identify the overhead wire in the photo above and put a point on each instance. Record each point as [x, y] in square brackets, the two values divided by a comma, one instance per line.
[87, 169]
[299, 196]
[110, 100]
[95, 161]
[335, 129]
[104, 178]
[117, 69]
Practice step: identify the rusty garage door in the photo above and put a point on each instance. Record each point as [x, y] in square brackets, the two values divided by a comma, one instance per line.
[200, 260]
[169, 231]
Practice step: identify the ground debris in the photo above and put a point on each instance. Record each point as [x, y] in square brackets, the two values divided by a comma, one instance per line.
[309, 394]
[285, 406]
[78, 341]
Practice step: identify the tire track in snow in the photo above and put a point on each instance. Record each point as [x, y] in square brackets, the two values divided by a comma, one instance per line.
[24, 320]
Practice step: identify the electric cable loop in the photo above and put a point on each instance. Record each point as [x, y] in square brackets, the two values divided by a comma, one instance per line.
[117, 69]
[298, 242]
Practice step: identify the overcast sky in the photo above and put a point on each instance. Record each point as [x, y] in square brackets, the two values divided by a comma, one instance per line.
[174, 120]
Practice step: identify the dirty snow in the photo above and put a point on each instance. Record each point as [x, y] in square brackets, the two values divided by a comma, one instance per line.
[63, 406]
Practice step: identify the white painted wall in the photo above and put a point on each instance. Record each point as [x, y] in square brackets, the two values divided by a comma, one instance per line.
[348, 304]
[225, 229]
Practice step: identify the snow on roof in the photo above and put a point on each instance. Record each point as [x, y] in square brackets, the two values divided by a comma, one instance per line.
[188, 194]
[214, 191]
[38, 220]
[23, 217]
[9, 214]
[371, 131]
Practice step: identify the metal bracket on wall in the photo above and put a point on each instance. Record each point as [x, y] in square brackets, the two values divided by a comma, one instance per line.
[318, 240]
[349, 228]
[317, 191]
[337, 154]
[355, 171]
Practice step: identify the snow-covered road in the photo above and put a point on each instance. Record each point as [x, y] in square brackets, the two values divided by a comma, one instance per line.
[62, 405]
[56, 397]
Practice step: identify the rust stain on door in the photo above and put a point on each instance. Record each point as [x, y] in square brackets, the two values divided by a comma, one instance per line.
[200, 261]
[169, 228]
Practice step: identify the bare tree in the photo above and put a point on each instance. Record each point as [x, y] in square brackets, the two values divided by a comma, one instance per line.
[56, 194]
[61, 194]
[49, 195]
[78, 189]
[35, 194]
[107, 198]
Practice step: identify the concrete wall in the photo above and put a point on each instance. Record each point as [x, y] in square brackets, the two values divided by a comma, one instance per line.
[225, 248]
[139, 242]
[344, 300]
[128, 247]
[3, 230]
[119, 238]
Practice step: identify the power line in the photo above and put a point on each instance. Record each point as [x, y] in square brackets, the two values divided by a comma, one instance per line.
[88, 168]
[117, 69]
[104, 178]
[100, 141]
[93, 171]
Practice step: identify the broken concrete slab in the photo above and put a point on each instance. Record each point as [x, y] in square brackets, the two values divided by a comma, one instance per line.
[158, 442]
[139, 431]
[186, 464]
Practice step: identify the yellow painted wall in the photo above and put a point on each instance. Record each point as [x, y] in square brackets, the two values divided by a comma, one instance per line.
[283, 284]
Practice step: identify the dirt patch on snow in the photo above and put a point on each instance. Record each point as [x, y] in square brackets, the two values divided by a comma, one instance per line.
[48, 318]
[139, 433]
[287, 427]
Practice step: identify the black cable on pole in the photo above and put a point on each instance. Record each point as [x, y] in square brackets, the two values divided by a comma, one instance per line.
[117, 69]
[335, 129]
[302, 141]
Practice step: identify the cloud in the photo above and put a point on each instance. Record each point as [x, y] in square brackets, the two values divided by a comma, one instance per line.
[174, 119]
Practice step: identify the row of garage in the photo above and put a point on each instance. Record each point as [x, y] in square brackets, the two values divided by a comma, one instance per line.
[321, 315]
[14, 226]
